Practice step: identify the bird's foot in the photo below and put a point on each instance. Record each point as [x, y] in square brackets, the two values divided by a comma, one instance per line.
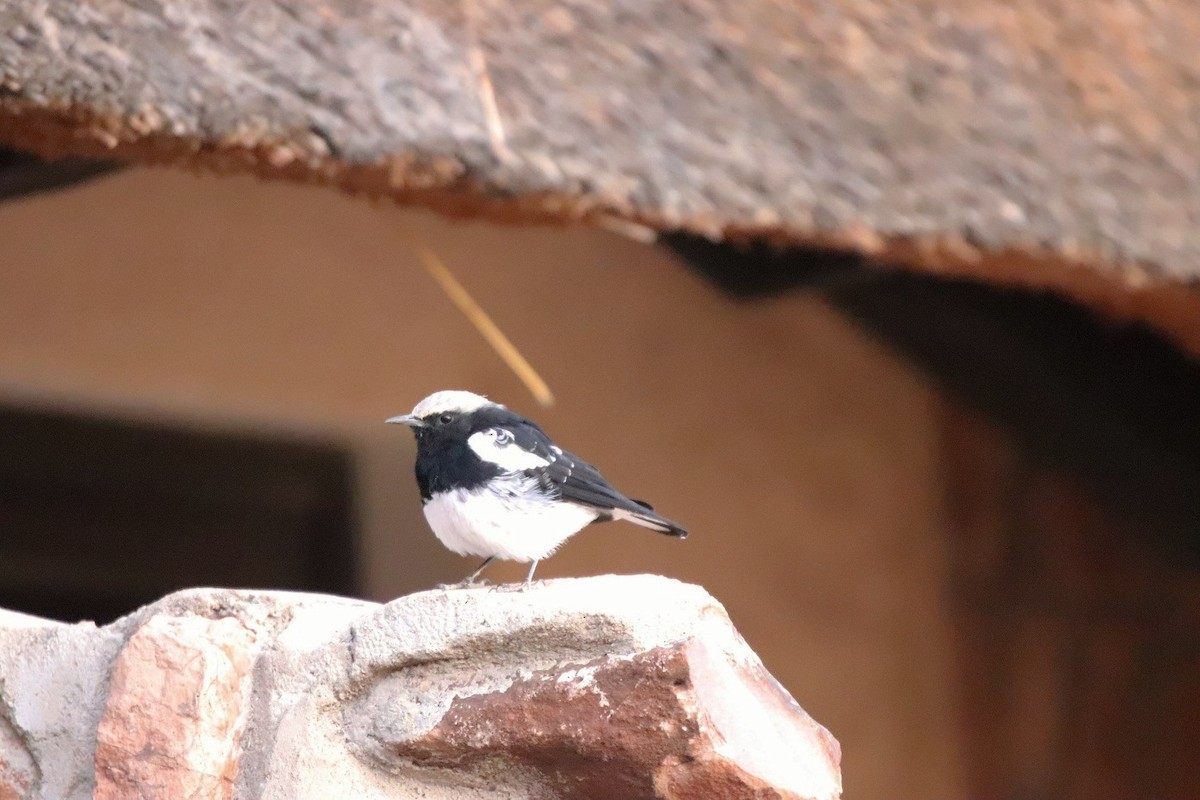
[512, 587]
[466, 583]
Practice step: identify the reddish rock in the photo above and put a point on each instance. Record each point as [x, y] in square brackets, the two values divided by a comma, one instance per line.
[575, 689]
[18, 774]
[680, 722]
[16, 779]
[10, 789]
[176, 709]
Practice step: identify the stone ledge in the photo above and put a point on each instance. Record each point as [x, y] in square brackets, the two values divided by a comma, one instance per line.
[632, 687]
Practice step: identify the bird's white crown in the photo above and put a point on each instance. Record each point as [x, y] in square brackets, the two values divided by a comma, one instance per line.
[450, 400]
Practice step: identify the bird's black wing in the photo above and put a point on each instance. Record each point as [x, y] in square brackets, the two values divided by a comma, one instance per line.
[571, 478]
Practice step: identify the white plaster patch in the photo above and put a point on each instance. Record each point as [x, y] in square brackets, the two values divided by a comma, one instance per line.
[583, 679]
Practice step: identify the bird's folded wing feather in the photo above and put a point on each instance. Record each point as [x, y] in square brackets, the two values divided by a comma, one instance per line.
[568, 475]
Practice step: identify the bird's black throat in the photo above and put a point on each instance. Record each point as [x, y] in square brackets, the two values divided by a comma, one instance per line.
[444, 459]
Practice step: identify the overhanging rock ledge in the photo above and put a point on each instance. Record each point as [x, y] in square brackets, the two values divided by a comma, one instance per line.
[614, 686]
[1052, 144]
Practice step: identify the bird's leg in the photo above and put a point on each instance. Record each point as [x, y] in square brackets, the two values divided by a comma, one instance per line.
[529, 577]
[470, 579]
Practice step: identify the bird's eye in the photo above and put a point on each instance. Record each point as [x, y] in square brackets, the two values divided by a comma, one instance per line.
[446, 419]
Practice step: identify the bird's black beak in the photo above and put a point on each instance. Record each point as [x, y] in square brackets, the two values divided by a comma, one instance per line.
[407, 419]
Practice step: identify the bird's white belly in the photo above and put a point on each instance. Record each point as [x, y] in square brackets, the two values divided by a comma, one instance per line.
[511, 525]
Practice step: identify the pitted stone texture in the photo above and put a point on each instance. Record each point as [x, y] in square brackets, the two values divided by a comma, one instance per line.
[177, 703]
[631, 687]
[18, 772]
[651, 725]
[53, 684]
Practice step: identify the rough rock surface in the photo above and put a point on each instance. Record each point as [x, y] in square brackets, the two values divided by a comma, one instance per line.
[631, 687]
[177, 702]
[1047, 142]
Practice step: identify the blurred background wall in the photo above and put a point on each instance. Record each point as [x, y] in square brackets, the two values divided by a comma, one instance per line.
[204, 313]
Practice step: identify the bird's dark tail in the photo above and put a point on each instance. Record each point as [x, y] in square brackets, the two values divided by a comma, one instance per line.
[648, 518]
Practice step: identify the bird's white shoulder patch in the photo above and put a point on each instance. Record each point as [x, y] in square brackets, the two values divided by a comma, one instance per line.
[496, 446]
[450, 400]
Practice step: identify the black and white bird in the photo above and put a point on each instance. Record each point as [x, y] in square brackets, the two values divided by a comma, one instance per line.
[494, 485]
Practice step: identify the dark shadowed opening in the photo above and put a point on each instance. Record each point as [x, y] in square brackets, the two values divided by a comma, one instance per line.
[100, 516]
